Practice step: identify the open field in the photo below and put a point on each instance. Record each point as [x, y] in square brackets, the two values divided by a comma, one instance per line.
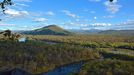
[41, 53]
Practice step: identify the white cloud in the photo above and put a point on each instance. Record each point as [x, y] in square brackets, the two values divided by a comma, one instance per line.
[109, 16]
[86, 10]
[95, 17]
[50, 13]
[126, 25]
[94, 0]
[68, 13]
[23, 0]
[40, 19]
[20, 4]
[2, 24]
[75, 24]
[84, 25]
[112, 7]
[92, 12]
[16, 13]
[101, 24]
[85, 28]
[36, 14]
[70, 24]
[128, 22]
[77, 20]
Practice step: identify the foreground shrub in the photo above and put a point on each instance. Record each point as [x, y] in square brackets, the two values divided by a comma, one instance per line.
[36, 57]
[107, 67]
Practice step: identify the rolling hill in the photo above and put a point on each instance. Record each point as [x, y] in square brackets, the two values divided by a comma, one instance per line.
[118, 32]
[48, 30]
[105, 32]
[79, 31]
[56, 30]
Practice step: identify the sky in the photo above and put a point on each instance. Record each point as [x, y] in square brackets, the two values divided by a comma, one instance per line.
[69, 14]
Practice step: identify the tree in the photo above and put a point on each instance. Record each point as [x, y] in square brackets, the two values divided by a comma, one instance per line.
[6, 33]
[5, 3]
[9, 35]
[111, 0]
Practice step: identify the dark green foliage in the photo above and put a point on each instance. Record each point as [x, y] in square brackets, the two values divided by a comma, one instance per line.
[111, 0]
[107, 67]
[4, 3]
[117, 56]
[126, 46]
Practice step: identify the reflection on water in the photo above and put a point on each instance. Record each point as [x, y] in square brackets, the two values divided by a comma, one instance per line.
[22, 39]
[65, 70]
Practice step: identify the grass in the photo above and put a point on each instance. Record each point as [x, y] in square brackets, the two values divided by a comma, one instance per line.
[37, 56]
[107, 67]
[101, 41]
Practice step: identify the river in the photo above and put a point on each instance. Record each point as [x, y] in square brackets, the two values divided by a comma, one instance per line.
[66, 69]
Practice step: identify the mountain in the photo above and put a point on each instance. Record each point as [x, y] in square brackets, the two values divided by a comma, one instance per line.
[48, 30]
[117, 32]
[79, 31]
[104, 32]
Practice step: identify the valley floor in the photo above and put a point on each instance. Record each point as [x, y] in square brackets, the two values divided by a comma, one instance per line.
[104, 54]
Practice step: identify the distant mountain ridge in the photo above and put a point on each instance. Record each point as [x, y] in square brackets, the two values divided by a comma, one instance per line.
[56, 30]
[117, 32]
[78, 31]
[48, 30]
[104, 32]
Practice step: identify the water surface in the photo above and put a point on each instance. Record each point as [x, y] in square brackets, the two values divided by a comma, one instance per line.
[66, 69]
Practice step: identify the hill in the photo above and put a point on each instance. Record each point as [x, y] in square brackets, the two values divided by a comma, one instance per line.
[117, 32]
[104, 32]
[48, 30]
[79, 31]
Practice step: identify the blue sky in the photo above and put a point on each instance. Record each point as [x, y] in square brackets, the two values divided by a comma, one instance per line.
[69, 14]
